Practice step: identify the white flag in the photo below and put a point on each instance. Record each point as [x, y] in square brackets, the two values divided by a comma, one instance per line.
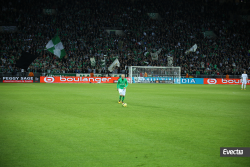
[146, 53]
[113, 65]
[154, 56]
[92, 60]
[193, 49]
[55, 46]
[159, 51]
[103, 63]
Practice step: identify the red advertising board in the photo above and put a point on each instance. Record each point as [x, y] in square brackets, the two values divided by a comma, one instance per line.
[230, 81]
[59, 79]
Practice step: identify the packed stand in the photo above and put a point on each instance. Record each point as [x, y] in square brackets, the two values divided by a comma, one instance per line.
[81, 27]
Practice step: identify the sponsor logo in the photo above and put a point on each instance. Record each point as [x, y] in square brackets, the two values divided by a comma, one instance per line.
[211, 81]
[78, 79]
[224, 81]
[49, 79]
[60, 79]
[187, 80]
[232, 152]
[17, 78]
[141, 78]
[232, 81]
[235, 151]
[18, 81]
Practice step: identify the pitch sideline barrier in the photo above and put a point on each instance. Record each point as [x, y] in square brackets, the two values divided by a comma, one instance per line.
[68, 79]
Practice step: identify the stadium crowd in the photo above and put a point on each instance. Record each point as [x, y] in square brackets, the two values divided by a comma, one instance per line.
[81, 27]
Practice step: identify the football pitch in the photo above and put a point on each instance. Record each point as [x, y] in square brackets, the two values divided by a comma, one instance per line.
[55, 125]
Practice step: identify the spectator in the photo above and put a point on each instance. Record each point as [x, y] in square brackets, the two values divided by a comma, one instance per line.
[31, 74]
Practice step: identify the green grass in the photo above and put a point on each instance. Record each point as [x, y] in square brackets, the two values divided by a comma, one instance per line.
[69, 125]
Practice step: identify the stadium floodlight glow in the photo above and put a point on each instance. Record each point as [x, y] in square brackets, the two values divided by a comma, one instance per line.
[154, 74]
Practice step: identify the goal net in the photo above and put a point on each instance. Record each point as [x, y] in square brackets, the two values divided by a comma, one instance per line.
[150, 74]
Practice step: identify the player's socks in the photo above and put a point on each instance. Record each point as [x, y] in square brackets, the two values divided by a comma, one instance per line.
[122, 99]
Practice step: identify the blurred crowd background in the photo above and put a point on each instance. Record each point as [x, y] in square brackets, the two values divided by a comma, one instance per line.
[81, 26]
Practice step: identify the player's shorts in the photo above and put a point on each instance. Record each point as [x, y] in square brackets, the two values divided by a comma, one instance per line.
[244, 82]
[122, 92]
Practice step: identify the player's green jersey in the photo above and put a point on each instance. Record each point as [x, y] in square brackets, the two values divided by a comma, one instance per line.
[122, 83]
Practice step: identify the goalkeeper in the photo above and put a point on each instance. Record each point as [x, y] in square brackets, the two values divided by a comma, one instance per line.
[121, 87]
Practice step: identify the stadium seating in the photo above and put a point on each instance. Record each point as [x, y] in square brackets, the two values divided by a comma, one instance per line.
[224, 49]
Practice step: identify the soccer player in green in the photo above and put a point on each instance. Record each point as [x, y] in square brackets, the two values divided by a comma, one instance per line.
[121, 87]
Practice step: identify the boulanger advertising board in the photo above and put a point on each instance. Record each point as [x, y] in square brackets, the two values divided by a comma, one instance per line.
[233, 81]
[59, 79]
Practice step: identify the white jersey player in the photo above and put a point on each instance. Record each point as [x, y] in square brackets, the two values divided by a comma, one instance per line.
[244, 80]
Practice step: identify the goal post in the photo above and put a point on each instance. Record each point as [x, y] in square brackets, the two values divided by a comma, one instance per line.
[154, 74]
